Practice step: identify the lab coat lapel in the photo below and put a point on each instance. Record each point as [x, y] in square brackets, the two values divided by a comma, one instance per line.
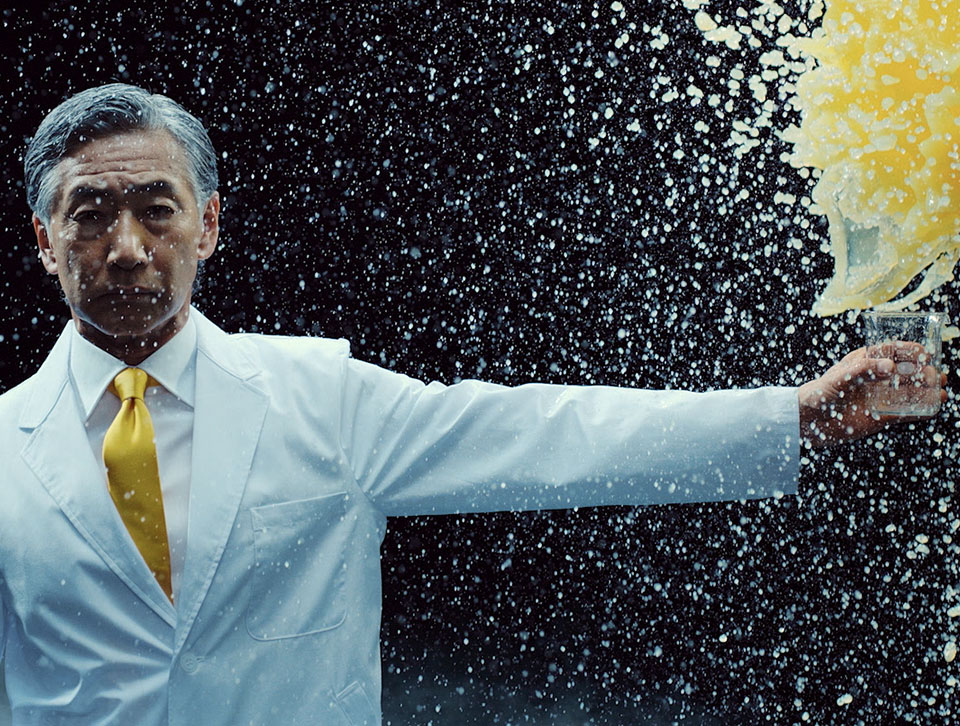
[228, 415]
[58, 452]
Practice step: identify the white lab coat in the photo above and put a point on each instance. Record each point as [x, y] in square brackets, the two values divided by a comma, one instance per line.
[299, 455]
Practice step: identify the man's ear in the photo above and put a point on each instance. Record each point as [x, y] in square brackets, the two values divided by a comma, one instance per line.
[47, 255]
[211, 227]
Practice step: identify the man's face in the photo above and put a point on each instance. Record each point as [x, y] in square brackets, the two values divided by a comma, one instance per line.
[125, 234]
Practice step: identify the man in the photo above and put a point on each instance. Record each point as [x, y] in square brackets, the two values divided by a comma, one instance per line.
[223, 566]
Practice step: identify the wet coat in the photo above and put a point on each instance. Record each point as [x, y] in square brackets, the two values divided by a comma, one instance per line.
[299, 455]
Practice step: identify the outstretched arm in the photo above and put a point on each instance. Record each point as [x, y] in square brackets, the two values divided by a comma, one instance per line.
[835, 408]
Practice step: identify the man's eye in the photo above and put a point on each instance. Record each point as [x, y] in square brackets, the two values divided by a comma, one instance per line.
[88, 216]
[159, 211]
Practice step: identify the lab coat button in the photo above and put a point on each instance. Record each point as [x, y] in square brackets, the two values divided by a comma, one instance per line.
[189, 662]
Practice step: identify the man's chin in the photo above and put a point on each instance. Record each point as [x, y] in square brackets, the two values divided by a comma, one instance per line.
[124, 325]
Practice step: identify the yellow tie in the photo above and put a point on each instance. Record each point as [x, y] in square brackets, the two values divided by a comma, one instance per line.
[130, 455]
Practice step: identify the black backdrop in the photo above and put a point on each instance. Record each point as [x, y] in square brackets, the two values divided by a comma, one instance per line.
[409, 175]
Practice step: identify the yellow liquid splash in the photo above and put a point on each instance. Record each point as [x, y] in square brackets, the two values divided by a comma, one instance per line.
[881, 120]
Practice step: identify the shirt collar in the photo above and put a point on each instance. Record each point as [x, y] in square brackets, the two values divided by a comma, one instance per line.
[173, 365]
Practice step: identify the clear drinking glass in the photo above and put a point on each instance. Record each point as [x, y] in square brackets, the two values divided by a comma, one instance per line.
[912, 341]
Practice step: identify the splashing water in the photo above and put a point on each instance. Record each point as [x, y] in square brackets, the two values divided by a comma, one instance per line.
[881, 120]
[876, 86]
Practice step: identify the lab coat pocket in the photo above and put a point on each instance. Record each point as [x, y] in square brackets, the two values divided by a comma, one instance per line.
[299, 568]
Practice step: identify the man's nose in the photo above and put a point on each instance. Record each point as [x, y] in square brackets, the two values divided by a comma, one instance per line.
[128, 242]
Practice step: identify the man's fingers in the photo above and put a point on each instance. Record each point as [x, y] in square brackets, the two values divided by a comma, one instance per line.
[931, 379]
[853, 354]
[839, 405]
[898, 350]
[862, 369]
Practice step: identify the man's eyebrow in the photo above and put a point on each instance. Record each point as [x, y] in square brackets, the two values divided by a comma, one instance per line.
[83, 193]
[159, 186]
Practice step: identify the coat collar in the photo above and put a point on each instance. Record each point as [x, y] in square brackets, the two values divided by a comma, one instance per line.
[228, 417]
[59, 454]
[222, 350]
[53, 374]
[48, 382]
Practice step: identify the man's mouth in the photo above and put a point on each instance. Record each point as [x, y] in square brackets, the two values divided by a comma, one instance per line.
[130, 291]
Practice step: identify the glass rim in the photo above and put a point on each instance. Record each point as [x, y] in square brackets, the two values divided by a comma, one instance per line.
[903, 314]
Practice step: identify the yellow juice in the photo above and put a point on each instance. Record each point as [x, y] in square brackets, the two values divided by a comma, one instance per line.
[881, 120]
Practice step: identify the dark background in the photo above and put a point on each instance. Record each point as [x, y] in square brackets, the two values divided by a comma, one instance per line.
[407, 175]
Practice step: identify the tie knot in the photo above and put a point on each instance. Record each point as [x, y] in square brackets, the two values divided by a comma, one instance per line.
[131, 383]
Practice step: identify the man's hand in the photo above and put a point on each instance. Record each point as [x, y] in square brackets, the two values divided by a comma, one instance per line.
[834, 408]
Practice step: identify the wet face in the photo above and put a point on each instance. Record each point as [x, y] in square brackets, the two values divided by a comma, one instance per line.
[125, 235]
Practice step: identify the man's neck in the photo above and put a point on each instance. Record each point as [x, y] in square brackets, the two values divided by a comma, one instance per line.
[133, 349]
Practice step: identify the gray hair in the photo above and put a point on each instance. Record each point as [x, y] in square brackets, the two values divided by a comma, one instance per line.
[104, 111]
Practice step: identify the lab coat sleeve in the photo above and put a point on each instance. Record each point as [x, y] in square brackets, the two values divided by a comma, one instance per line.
[3, 631]
[432, 449]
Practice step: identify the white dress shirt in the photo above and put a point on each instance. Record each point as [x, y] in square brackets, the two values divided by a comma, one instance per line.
[171, 408]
